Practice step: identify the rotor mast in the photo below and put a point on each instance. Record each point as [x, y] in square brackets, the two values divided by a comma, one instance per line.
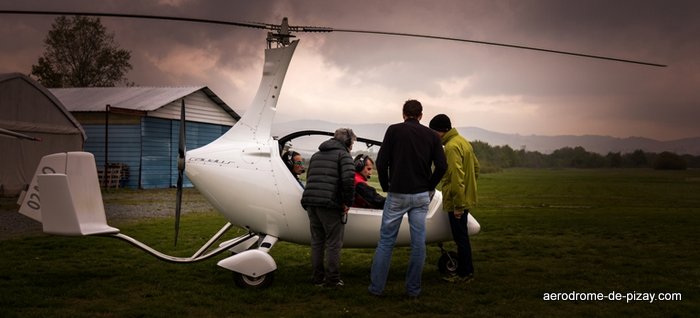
[282, 33]
[282, 37]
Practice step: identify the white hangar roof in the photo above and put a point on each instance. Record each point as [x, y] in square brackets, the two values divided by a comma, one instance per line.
[201, 103]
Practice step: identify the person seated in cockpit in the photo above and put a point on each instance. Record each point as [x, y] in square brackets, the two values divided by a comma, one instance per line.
[295, 164]
[365, 195]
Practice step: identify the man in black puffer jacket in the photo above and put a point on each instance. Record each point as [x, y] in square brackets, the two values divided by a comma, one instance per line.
[328, 195]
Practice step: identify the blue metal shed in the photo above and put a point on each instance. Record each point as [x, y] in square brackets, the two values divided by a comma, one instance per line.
[143, 125]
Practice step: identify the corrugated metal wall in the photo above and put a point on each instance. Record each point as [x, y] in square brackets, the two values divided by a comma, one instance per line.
[155, 152]
[149, 148]
[199, 109]
[160, 148]
[197, 135]
[124, 147]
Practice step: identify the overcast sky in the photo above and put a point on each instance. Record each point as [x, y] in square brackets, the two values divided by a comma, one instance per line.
[355, 78]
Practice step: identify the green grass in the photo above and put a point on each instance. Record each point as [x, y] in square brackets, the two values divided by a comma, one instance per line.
[543, 231]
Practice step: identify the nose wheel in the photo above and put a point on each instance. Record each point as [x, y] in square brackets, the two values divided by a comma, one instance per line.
[447, 264]
[259, 282]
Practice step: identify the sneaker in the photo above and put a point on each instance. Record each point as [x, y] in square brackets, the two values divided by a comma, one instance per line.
[377, 295]
[450, 278]
[339, 283]
[458, 279]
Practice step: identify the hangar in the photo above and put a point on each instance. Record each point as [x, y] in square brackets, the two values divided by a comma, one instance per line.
[135, 129]
[27, 109]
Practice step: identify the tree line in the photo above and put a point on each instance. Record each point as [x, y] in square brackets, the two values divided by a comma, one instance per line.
[496, 158]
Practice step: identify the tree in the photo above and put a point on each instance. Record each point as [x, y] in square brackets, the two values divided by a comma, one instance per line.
[636, 159]
[80, 53]
[614, 159]
[669, 161]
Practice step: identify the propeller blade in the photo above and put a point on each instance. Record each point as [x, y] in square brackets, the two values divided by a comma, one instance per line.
[522, 47]
[180, 169]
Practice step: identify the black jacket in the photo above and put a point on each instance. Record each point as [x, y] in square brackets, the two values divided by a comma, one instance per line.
[404, 161]
[367, 197]
[329, 177]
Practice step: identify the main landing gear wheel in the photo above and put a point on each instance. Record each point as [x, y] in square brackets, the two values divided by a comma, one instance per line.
[447, 264]
[260, 282]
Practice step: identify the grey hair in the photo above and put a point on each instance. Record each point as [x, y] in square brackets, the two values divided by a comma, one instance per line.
[345, 135]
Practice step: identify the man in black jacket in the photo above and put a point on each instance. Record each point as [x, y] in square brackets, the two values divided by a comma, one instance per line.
[327, 197]
[404, 165]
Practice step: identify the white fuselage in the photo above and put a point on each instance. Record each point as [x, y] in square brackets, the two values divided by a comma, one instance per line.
[243, 176]
[253, 188]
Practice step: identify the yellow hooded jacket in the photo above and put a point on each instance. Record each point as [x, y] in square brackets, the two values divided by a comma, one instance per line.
[458, 185]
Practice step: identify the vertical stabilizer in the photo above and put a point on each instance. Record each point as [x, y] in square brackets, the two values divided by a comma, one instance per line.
[256, 123]
[68, 197]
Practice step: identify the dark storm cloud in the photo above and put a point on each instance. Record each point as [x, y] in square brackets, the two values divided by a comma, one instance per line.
[501, 88]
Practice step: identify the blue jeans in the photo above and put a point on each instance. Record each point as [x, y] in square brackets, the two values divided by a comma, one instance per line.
[398, 204]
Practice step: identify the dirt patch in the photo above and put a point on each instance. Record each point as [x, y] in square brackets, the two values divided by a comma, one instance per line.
[13, 224]
[122, 204]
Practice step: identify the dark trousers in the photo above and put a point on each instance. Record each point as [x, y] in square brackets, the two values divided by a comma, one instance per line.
[460, 235]
[327, 232]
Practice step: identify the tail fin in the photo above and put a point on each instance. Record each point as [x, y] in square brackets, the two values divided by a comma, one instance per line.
[65, 196]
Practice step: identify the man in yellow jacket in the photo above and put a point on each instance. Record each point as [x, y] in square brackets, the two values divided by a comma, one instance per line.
[459, 195]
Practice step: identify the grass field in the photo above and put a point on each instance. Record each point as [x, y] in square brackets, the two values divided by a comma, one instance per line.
[543, 232]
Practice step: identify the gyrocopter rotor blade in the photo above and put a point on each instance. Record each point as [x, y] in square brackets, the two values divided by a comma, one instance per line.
[284, 32]
[501, 44]
[141, 16]
[180, 170]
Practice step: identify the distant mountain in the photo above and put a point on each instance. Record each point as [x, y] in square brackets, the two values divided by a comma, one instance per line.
[592, 143]
[543, 144]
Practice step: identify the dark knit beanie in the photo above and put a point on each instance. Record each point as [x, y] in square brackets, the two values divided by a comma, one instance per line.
[440, 123]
